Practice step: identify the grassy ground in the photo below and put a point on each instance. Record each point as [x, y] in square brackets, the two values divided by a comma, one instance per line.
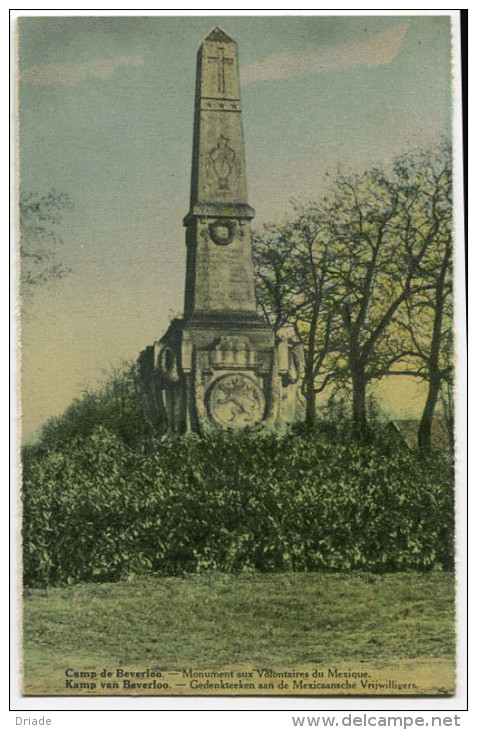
[215, 621]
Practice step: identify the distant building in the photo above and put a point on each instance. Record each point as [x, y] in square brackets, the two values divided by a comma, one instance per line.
[406, 431]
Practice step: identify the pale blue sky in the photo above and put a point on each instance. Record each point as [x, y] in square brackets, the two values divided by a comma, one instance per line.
[106, 113]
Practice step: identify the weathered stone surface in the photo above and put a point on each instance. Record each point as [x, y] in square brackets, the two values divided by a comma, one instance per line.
[218, 163]
[219, 248]
[220, 367]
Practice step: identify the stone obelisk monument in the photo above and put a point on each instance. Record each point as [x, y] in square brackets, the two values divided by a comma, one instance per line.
[220, 366]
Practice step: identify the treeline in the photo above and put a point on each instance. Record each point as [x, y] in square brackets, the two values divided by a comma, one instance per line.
[364, 279]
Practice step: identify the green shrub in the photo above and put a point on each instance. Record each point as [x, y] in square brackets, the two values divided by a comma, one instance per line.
[118, 404]
[98, 510]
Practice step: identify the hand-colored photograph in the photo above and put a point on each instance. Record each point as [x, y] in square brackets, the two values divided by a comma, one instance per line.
[237, 247]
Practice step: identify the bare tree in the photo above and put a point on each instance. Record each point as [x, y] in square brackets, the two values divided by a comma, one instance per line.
[427, 320]
[384, 226]
[40, 219]
[294, 289]
[365, 278]
[274, 250]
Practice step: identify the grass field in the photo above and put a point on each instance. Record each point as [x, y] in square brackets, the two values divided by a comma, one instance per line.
[398, 622]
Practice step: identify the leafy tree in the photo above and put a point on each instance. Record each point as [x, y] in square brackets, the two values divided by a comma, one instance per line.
[40, 219]
[117, 405]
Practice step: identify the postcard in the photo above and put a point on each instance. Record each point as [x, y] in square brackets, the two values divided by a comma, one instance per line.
[240, 251]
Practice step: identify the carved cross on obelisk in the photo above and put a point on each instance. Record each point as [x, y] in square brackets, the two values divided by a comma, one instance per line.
[221, 60]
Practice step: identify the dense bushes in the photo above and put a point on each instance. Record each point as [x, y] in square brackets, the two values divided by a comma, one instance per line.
[118, 404]
[100, 510]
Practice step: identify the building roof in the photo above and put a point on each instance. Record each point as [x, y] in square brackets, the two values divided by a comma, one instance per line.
[408, 430]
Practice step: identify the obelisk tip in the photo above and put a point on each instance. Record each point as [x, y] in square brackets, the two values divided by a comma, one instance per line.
[218, 34]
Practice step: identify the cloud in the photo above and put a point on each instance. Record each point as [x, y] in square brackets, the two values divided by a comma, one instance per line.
[377, 50]
[69, 74]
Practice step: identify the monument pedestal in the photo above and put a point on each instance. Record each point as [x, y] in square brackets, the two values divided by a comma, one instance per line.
[207, 376]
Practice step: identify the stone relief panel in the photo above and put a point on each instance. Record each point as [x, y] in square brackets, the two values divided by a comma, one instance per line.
[233, 351]
[235, 401]
[222, 231]
[168, 366]
[222, 159]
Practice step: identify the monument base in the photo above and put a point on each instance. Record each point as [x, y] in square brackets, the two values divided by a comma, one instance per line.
[222, 371]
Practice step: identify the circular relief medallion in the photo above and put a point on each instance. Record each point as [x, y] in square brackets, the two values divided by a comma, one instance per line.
[236, 401]
[222, 232]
